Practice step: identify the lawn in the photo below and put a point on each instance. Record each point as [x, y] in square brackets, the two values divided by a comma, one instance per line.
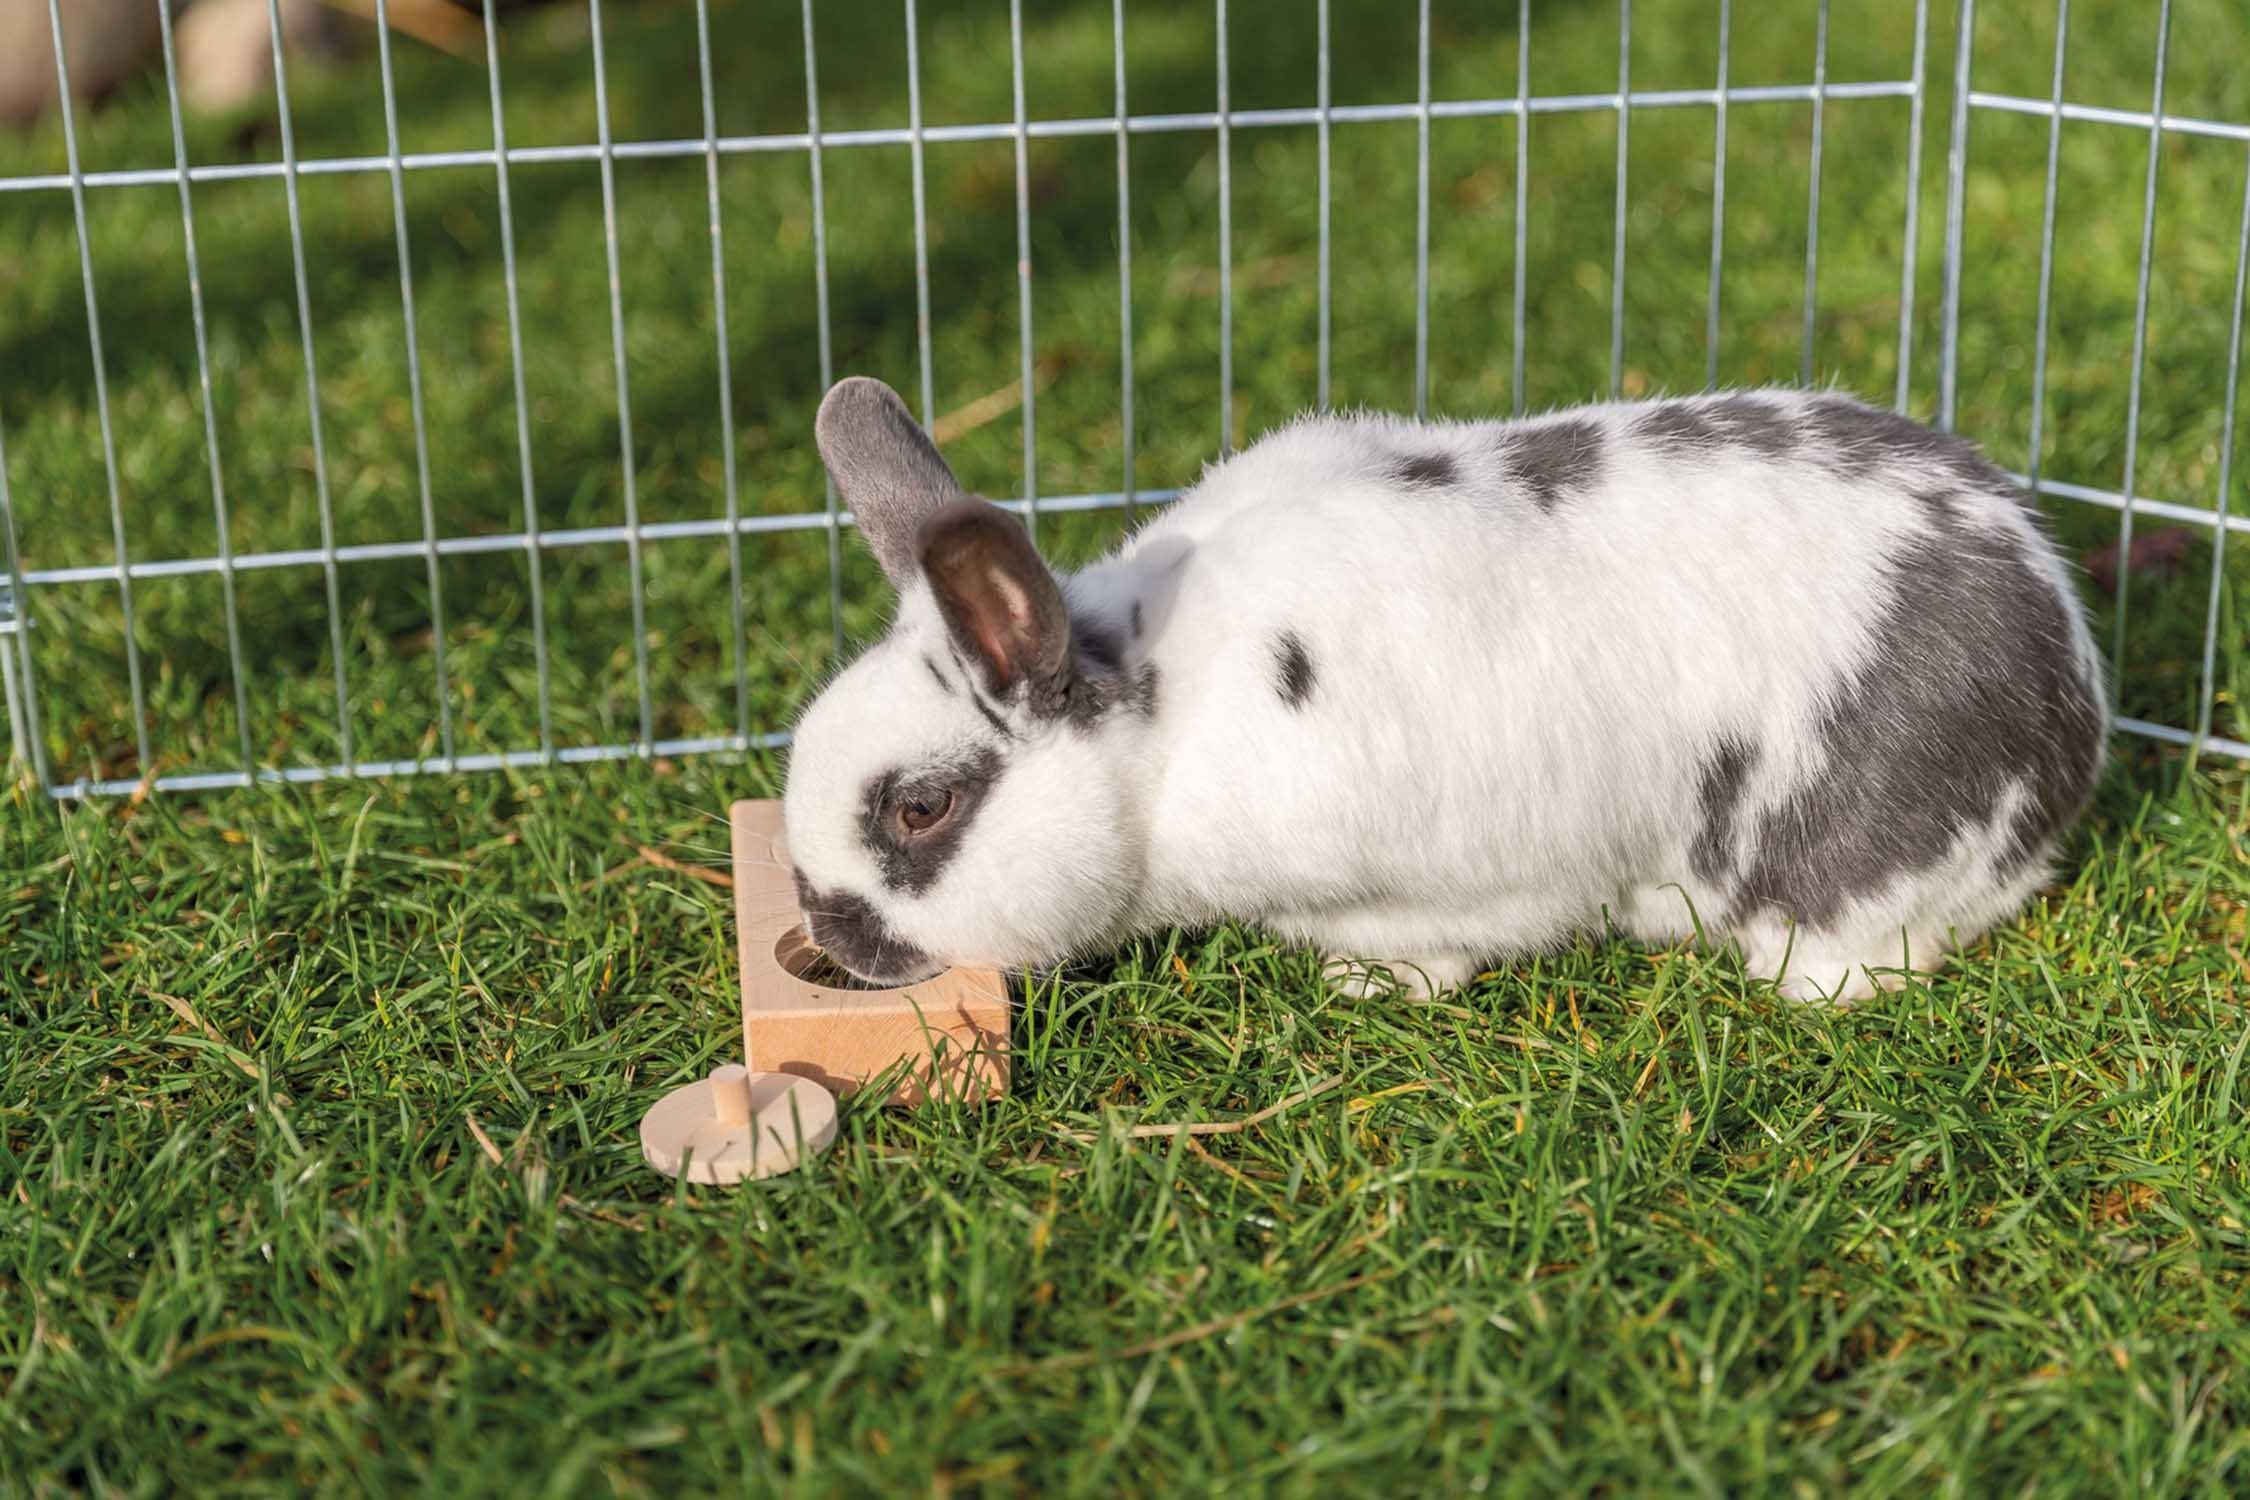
[319, 1101]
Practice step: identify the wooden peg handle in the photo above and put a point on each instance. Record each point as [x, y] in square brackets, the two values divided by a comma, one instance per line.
[730, 1094]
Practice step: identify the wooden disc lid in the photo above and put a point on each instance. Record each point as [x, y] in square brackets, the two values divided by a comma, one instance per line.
[738, 1124]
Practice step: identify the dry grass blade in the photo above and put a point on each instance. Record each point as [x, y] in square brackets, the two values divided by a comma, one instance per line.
[987, 408]
[1219, 1127]
[1222, 1165]
[704, 873]
[658, 859]
[186, 1012]
[434, 23]
[491, 1152]
[609, 874]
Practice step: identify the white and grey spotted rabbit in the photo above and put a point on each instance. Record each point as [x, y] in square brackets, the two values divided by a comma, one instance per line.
[1433, 694]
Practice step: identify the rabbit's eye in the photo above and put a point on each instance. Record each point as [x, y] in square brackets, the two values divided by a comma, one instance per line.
[923, 811]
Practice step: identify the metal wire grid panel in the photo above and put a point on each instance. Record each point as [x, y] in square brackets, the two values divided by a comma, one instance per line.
[21, 589]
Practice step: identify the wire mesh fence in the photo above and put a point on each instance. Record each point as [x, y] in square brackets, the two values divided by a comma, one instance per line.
[470, 537]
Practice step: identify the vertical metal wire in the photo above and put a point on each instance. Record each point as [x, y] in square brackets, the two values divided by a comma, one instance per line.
[1325, 194]
[534, 556]
[229, 610]
[1523, 175]
[101, 389]
[1422, 218]
[1913, 201]
[19, 737]
[921, 211]
[414, 381]
[1125, 255]
[1718, 201]
[1617, 265]
[32, 731]
[2140, 351]
[1812, 206]
[1023, 277]
[1956, 176]
[820, 304]
[2225, 505]
[2047, 247]
[312, 384]
[726, 371]
[624, 387]
[1226, 249]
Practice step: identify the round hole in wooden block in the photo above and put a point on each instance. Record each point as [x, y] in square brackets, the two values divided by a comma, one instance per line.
[802, 959]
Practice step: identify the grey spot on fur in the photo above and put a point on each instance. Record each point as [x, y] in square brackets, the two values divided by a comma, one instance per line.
[1145, 685]
[1097, 644]
[1678, 428]
[942, 680]
[1971, 688]
[991, 715]
[1762, 427]
[1851, 438]
[849, 929]
[1707, 428]
[1094, 696]
[1864, 440]
[1943, 507]
[1555, 460]
[1425, 471]
[1101, 683]
[1719, 792]
[1293, 669]
[912, 862]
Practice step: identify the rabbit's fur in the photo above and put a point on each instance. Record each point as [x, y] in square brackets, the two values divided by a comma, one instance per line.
[1778, 666]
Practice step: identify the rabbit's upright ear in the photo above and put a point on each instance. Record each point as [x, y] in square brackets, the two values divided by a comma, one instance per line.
[885, 467]
[1002, 606]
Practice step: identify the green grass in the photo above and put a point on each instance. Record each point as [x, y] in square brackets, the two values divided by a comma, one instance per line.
[1606, 1218]
[1610, 1219]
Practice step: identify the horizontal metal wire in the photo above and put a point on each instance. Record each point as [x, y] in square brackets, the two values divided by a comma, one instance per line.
[501, 760]
[2113, 500]
[2138, 119]
[1005, 130]
[2212, 745]
[816, 520]
[517, 541]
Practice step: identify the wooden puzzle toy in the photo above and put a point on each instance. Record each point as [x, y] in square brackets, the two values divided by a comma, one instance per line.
[811, 1032]
[801, 1014]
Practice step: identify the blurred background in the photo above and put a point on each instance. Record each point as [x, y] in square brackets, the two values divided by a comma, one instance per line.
[1223, 287]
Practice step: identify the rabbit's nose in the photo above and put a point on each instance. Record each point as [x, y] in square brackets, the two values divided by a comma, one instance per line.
[847, 929]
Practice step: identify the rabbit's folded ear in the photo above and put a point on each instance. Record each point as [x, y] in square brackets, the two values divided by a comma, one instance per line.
[885, 467]
[998, 599]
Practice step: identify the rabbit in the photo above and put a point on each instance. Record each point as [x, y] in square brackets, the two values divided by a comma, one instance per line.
[1770, 667]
